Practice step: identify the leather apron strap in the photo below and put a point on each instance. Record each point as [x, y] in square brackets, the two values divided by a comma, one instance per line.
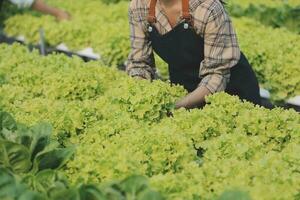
[151, 15]
[185, 11]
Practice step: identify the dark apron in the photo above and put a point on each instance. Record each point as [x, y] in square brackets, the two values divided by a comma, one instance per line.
[183, 50]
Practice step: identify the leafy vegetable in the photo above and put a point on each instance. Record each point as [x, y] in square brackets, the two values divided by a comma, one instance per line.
[24, 149]
[14, 156]
[275, 13]
[120, 127]
[274, 58]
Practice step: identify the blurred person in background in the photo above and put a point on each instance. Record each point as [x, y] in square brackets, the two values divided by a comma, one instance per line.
[197, 40]
[40, 6]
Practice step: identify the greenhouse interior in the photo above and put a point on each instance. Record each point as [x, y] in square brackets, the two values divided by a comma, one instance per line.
[149, 99]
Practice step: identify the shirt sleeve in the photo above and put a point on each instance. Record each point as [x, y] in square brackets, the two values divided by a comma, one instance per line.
[141, 59]
[22, 3]
[221, 50]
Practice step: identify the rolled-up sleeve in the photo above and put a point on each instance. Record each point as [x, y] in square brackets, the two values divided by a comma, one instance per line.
[221, 50]
[22, 3]
[140, 60]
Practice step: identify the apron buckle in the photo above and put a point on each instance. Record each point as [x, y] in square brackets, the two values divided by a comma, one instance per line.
[185, 25]
[150, 29]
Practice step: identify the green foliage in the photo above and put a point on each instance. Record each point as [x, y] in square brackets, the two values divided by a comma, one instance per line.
[144, 101]
[133, 187]
[24, 171]
[14, 157]
[274, 53]
[25, 150]
[17, 182]
[112, 1]
[94, 24]
[28, 158]
[234, 195]
[49, 185]
[11, 188]
[245, 149]
[121, 127]
[275, 56]
[269, 3]
[281, 15]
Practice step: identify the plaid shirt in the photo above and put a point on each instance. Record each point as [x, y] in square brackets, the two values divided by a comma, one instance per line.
[221, 50]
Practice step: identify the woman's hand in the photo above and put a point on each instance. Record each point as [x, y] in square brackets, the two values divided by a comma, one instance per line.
[139, 77]
[41, 6]
[193, 99]
[62, 15]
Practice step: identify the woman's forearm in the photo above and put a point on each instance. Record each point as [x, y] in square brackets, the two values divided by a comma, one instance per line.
[41, 6]
[194, 99]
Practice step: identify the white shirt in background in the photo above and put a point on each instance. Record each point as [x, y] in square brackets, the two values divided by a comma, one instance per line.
[22, 3]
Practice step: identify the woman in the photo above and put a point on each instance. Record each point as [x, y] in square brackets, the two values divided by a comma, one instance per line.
[197, 40]
[40, 6]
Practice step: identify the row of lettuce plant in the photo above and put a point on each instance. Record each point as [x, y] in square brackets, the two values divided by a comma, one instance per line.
[30, 160]
[284, 15]
[275, 58]
[121, 126]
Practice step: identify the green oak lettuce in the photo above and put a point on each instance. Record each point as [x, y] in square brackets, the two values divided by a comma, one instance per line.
[120, 127]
